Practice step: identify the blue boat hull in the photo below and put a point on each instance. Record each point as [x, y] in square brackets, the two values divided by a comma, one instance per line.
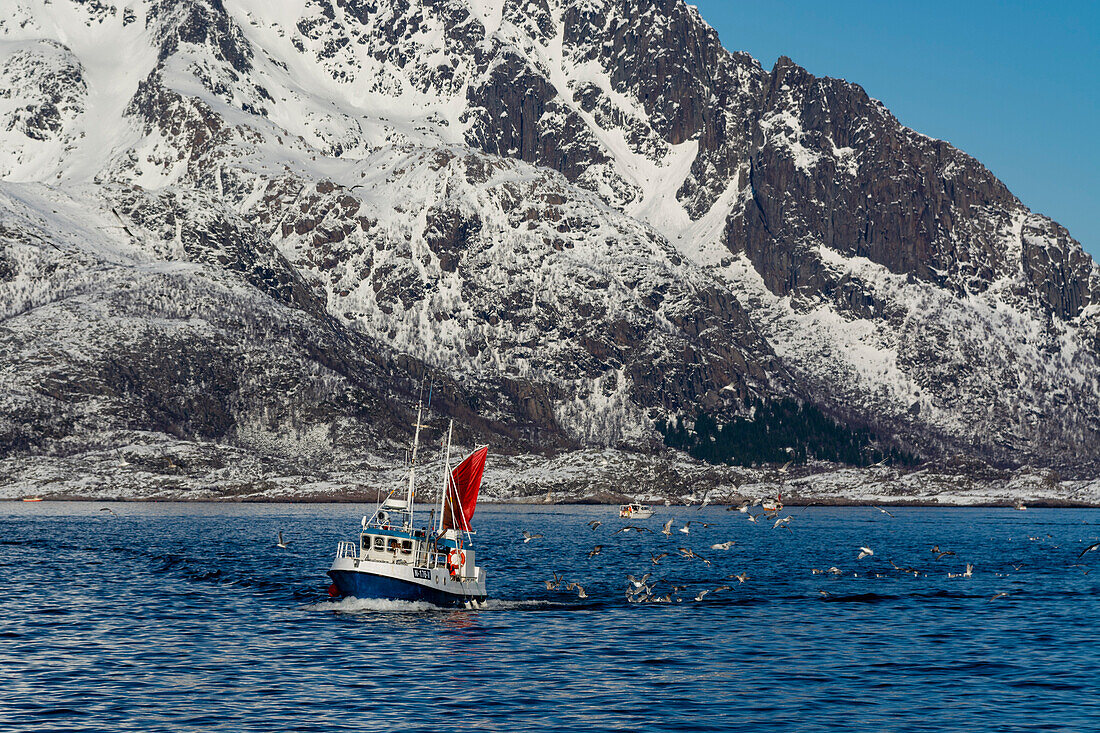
[355, 584]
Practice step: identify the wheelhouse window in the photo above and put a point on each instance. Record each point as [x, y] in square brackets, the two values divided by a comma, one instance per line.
[365, 542]
[406, 547]
[380, 543]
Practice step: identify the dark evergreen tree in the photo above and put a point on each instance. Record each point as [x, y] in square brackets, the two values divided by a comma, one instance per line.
[777, 432]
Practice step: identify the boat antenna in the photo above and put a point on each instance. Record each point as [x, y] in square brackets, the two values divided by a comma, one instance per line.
[431, 385]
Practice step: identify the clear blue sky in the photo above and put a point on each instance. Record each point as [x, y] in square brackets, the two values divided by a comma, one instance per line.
[1014, 84]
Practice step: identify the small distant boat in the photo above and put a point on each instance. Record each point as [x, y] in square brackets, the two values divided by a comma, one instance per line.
[32, 498]
[393, 560]
[1020, 506]
[635, 511]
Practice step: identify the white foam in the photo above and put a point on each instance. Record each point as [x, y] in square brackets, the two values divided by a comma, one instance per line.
[381, 605]
[374, 605]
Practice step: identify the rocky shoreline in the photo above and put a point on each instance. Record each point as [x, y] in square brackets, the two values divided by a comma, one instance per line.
[206, 472]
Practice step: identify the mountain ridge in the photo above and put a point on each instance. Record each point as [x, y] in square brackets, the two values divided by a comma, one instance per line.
[583, 217]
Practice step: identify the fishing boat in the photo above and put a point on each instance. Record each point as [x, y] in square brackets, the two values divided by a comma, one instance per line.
[395, 560]
[635, 511]
[32, 498]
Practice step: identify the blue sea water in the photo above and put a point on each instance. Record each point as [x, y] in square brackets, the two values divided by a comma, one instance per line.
[180, 617]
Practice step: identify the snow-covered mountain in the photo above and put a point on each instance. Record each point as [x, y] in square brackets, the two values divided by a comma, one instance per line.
[265, 223]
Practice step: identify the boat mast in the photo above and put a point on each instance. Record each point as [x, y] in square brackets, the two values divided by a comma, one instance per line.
[412, 462]
[446, 476]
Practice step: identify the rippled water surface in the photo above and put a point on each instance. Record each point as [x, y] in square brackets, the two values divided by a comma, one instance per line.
[173, 617]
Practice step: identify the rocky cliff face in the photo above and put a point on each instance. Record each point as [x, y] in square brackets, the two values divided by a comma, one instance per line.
[265, 224]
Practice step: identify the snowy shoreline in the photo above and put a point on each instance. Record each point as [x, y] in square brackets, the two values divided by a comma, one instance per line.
[823, 502]
[208, 472]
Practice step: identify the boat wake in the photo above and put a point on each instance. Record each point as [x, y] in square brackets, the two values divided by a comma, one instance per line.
[382, 605]
[374, 605]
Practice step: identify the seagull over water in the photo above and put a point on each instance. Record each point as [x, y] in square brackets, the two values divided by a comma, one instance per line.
[723, 545]
[883, 511]
[281, 544]
[630, 527]
[657, 558]
[667, 529]
[109, 510]
[864, 552]
[527, 536]
[595, 551]
[692, 556]
[594, 524]
[1091, 548]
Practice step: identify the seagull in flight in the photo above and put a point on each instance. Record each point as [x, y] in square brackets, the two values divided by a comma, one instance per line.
[553, 584]
[883, 511]
[785, 522]
[692, 556]
[527, 536]
[667, 529]
[629, 527]
[580, 591]
[108, 510]
[741, 577]
[1091, 548]
[686, 528]
[752, 518]
[594, 524]
[281, 544]
[999, 595]
[636, 583]
[723, 545]
[864, 552]
[595, 551]
[657, 558]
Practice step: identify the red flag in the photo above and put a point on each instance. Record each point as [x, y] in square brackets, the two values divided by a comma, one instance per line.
[465, 485]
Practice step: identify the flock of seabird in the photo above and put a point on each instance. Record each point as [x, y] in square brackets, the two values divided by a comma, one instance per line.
[643, 590]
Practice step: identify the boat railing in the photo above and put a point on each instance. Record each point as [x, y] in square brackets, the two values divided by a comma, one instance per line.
[347, 549]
